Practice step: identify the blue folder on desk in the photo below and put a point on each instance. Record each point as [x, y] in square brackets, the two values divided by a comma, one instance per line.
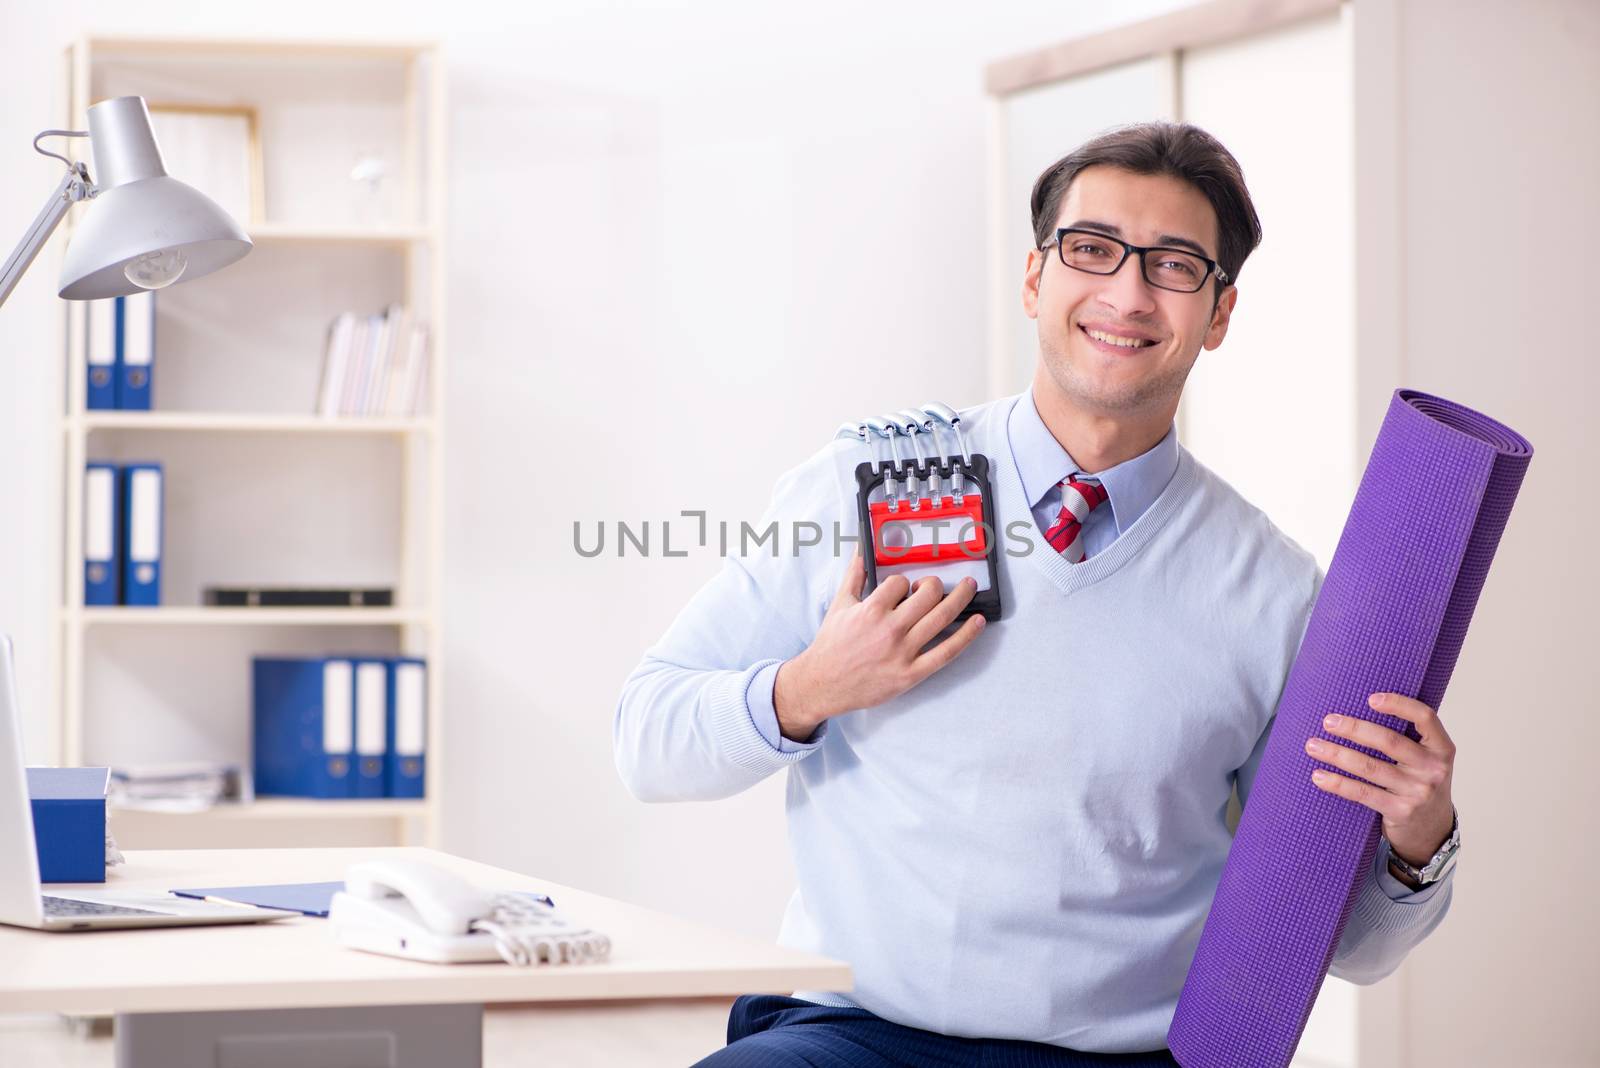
[308, 899]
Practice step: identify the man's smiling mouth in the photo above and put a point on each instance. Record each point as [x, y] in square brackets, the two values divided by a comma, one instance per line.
[1116, 340]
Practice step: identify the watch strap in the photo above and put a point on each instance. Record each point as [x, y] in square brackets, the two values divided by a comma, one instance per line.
[1439, 863]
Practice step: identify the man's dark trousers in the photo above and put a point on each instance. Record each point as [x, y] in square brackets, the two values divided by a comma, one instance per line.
[765, 1031]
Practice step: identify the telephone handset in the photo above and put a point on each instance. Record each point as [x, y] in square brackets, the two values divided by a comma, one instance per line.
[408, 908]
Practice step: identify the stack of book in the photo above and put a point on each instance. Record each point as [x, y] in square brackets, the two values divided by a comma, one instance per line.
[189, 787]
[374, 365]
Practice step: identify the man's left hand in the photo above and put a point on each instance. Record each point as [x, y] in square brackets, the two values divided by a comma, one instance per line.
[1412, 794]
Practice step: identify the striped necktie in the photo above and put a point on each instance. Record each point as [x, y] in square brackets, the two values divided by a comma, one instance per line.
[1080, 495]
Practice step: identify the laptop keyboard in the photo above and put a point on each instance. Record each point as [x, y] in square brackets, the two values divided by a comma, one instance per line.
[62, 906]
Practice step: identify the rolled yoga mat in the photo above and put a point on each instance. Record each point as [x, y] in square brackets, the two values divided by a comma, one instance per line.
[1390, 617]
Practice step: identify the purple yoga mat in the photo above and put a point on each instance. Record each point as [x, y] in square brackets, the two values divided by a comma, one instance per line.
[1391, 617]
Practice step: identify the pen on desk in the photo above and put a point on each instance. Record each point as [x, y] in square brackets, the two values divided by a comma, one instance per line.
[226, 901]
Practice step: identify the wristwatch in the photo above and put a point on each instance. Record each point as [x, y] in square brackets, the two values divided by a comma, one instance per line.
[1440, 863]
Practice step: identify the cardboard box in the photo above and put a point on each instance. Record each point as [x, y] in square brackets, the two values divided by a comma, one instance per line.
[69, 823]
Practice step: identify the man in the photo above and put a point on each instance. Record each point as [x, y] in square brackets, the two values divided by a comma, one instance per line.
[1014, 836]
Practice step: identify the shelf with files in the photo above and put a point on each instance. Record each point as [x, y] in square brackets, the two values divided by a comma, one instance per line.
[277, 808]
[257, 490]
[247, 422]
[236, 49]
[275, 822]
[196, 616]
[290, 233]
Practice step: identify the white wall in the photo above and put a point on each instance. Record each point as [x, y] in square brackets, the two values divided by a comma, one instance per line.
[686, 241]
[1285, 375]
[1497, 106]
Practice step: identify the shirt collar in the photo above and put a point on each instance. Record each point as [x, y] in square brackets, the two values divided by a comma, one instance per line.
[1131, 486]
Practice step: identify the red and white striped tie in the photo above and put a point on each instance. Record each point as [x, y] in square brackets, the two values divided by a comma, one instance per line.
[1080, 495]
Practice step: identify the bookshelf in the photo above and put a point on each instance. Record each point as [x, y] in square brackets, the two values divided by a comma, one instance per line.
[251, 617]
[272, 233]
[259, 490]
[228, 422]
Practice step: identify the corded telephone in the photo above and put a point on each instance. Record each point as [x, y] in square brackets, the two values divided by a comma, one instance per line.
[406, 908]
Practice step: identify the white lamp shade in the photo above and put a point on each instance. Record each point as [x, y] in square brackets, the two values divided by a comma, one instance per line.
[149, 215]
[139, 209]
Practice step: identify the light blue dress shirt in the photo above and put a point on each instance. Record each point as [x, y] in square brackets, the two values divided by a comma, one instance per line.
[1130, 486]
[994, 857]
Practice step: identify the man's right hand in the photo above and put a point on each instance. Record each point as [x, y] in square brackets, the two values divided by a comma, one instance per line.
[868, 651]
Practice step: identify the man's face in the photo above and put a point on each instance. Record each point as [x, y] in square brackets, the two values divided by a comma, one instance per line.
[1069, 304]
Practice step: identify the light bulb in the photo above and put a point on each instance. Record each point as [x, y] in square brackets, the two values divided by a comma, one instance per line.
[156, 270]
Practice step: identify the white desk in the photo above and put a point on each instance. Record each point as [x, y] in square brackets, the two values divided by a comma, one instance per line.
[144, 976]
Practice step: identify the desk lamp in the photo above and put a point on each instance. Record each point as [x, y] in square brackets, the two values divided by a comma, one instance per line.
[145, 229]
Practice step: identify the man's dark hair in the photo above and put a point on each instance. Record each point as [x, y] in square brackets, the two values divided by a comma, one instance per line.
[1178, 149]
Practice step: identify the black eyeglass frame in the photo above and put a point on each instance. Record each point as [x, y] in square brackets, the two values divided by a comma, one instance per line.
[1212, 267]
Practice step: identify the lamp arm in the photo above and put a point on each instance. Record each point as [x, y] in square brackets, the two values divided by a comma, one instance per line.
[73, 188]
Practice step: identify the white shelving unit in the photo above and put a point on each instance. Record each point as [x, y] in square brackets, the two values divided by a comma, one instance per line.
[243, 422]
[258, 489]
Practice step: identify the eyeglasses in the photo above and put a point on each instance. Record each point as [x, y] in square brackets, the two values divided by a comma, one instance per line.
[1165, 268]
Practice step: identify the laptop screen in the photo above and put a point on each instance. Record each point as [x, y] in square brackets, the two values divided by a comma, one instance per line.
[19, 860]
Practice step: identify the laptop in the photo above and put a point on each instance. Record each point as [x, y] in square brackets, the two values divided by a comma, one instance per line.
[22, 900]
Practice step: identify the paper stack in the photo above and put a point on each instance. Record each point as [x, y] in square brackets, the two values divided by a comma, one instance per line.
[374, 365]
